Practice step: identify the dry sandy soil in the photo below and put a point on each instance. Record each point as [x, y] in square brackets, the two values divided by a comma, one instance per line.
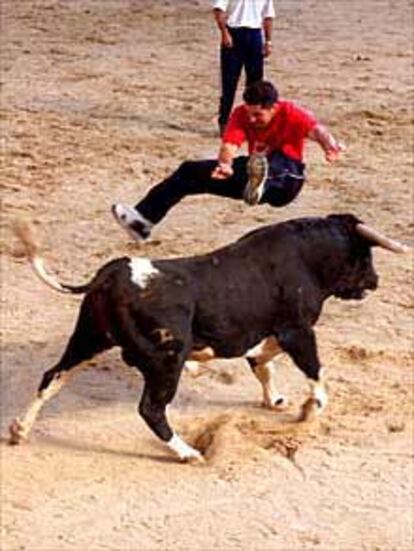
[99, 100]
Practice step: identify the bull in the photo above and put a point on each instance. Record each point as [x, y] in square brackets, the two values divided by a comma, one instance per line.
[256, 297]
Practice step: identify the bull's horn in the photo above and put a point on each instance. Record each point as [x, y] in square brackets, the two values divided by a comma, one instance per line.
[376, 237]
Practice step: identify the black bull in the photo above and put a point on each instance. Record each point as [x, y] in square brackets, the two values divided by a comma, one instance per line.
[269, 287]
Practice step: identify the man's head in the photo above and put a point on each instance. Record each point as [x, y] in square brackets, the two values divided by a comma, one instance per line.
[261, 100]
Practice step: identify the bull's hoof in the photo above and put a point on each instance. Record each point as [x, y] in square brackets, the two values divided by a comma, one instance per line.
[280, 403]
[310, 410]
[194, 459]
[185, 452]
[17, 432]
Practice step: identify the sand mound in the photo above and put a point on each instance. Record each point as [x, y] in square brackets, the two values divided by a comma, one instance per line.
[247, 435]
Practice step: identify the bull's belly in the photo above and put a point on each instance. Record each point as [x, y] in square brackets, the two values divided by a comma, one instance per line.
[232, 346]
[234, 326]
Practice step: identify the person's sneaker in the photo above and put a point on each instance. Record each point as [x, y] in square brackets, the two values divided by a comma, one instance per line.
[138, 227]
[257, 170]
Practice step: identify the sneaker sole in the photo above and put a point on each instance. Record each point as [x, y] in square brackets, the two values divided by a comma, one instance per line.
[257, 171]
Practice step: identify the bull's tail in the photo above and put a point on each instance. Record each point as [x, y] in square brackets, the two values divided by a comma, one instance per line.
[25, 233]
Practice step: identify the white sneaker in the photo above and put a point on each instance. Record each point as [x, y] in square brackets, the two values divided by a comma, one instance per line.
[138, 227]
[257, 170]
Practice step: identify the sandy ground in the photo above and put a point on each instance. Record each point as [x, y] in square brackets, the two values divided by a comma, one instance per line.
[99, 100]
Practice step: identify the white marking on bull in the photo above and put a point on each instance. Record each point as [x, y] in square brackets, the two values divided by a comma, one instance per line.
[255, 351]
[142, 270]
[183, 450]
[271, 398]
[265, 351]
[263, 354]
[316, 403]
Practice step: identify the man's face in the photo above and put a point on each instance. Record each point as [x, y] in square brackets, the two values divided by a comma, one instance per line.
[260, 117]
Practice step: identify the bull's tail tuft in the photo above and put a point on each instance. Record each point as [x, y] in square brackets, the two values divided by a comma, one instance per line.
[25, 232]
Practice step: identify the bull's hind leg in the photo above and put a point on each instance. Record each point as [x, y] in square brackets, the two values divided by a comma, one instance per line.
[160, 357]
[86, 341]
[260, 359]
[300, 344]
[159, 391]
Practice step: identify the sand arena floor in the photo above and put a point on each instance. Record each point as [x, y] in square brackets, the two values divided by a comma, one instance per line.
[99, 101]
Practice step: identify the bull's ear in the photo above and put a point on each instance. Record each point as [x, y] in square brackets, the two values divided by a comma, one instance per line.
[375, 238]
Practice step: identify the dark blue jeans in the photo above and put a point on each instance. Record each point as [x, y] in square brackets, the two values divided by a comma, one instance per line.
[284, 182]
[247, 52]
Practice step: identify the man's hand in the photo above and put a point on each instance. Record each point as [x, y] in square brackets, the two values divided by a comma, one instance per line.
[330, 146]
[332, 153]
[224, 168]
[226, 39]
[221, 20]
[222, 171]
[267, 31]
[267, 48]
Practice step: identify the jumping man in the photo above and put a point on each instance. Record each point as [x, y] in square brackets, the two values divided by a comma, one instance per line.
[273, 173]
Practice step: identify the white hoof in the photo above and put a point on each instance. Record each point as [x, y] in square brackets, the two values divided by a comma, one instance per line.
[185, 452]
[279, 403]
[196, 458]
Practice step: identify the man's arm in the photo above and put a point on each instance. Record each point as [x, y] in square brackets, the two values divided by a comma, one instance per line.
[267, 30]
[224, 168]
[324, 138]
[268, 15]
[221, 18]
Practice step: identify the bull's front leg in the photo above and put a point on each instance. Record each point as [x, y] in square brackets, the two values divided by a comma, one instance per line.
[300, 344]
[260, 359]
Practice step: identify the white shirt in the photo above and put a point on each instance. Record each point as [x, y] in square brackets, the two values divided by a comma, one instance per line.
[246, 13]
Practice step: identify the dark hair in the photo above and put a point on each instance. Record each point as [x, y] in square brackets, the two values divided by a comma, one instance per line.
[261, 93]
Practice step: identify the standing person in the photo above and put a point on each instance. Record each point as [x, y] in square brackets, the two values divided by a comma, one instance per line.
[275, 131]
[246, 39]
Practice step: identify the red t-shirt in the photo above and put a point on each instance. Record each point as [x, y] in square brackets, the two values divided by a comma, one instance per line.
[286, 132]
